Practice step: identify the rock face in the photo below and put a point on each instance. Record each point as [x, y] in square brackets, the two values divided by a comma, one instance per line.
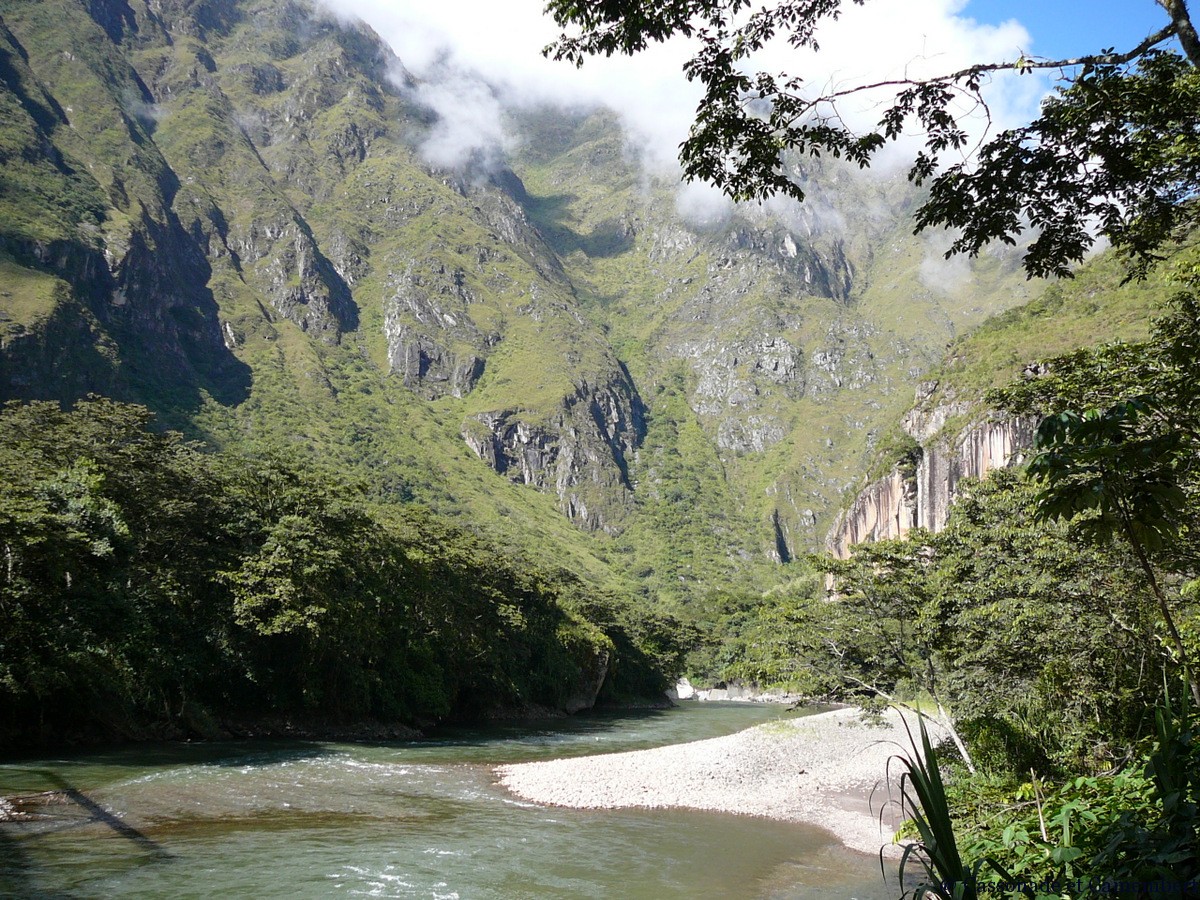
[427, 315]
[887, 508]
[301, 284]
[753, 357]
[580, 452]
[978, 450]
[920, 495]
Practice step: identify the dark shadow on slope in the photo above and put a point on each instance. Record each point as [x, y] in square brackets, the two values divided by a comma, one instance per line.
[116, 17]
[93, 812]
[43, 110]
[552, 217]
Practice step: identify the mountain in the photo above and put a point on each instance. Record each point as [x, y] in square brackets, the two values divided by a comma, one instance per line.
[951, 433]
[222, 209]
[775, 344]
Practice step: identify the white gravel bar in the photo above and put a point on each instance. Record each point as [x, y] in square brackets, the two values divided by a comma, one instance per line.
[826, 770]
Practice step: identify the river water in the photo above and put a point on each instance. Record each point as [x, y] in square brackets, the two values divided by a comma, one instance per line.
[402, 819]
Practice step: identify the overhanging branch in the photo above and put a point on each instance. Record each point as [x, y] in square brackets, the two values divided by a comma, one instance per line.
[971, 75]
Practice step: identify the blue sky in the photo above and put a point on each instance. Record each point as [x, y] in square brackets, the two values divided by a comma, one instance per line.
[1068, 29]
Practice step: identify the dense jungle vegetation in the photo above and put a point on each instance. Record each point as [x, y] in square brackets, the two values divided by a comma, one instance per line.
[150, 588]
[1055, 618]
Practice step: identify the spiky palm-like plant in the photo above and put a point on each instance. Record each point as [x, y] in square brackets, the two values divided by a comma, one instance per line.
[942, 872]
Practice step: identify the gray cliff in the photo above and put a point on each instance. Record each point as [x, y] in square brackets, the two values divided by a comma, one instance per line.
[919, 492]
[580, 452]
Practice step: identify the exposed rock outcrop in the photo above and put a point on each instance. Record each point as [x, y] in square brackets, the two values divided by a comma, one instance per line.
[301, 284]
[887, 508]
[978, 450]
[580, 452]
[744, 323]
[428, 313]
[735, 373]
[920, 495]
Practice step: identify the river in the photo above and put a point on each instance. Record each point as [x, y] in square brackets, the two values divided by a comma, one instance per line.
[401, 819]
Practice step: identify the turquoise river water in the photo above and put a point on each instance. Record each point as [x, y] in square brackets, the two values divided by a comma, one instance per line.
[402, 819]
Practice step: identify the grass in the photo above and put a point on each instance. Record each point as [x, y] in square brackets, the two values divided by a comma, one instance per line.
[27, 296]
[1093, 308]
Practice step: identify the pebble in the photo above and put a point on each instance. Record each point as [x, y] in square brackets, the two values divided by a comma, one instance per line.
[827, 770]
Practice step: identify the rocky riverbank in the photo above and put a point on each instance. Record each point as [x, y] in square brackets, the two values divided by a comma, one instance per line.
[830, 770]
[734, 691]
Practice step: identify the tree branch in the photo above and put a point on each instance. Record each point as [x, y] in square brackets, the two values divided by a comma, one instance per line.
[1024, 65]
[1027, 63]
[1181, 21]
[942, 718]
[1098, 59]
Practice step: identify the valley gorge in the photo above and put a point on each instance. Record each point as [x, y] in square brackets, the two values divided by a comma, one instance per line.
[258, 232]
[227, 211]
[413, 482]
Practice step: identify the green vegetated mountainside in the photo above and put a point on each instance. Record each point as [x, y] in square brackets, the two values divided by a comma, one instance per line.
[219, 209]
[771, 344]
[254, 250]
[1100, 305]
[1097, 306]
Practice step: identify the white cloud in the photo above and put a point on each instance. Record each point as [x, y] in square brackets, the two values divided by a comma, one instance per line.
[702, 206]
[942, 275]
[469, 131]
[452, 43]
[888, 40]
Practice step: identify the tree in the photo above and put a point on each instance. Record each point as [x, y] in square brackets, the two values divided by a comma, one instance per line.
[892, 626]
[1118, 454]
[1115, 148]
[1047, 644]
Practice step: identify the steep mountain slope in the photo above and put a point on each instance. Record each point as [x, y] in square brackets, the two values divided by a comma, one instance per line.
[219, 208]
[89, 230]
[773, 343]
[251, 204]
[951, 433]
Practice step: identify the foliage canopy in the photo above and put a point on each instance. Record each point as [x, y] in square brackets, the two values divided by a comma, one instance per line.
[1115, 147]
[148, 587]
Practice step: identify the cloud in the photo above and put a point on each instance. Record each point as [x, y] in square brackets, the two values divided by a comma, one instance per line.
[502, 42]
[469, 132]
[702, 206]
[899, 40]
[941, 275]
[474, 58]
